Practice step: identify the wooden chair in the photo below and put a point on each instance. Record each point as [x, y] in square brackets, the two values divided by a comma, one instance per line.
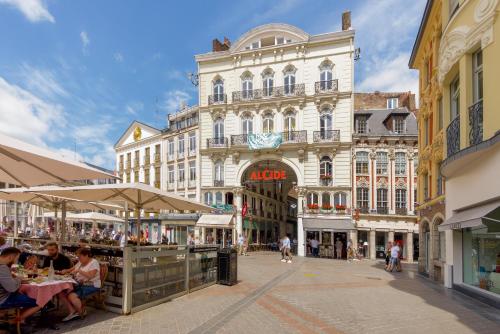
[6, 314]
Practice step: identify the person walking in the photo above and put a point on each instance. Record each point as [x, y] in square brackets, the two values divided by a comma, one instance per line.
[350, 250]
[315, 247]
[388, 254]
[245, 245]
[287, 248]
[395, 250]
[338, 246]
[240, 244]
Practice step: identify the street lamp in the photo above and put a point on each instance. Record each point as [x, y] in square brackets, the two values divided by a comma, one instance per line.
[194, 78]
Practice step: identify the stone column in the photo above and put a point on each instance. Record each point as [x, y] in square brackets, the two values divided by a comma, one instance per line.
[390, 236]
[409, 247]
[300, 227]
[353, 235]
[371, 245]
[238, 193]
[391, 200]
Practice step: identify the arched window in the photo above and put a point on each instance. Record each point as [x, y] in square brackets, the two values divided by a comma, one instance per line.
[218, 198]
[219, 131]
[326, 171]
[247, 124]
[326, 76]
[208, 198]
[268, 123]
[400, 163]
[268, 82]
[247, 86]
[289, 121]
[219, 171]
[289, 81]
[326, 124]
[340, 199]
[218, 90]
[312, 200]
[326, 201]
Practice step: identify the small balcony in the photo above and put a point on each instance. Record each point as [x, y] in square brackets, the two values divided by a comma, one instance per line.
[325, 180]
[237, 140]
[218, 183]
[402, 211]
[217, 142]
[270, 92]
[476, 123]
[383, 210]
[453, 137]
[326, 136]
[290, 137]
[217, 99]
[326, 86]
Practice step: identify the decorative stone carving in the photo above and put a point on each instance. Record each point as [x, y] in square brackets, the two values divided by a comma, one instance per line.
[301, 191]
[484, 8]
[391, 154]
[215, 156]
[382, 183]
[301, 154]
[373, 154]
[236, 157]
[451, 49]
[400, 183]
[363, 182]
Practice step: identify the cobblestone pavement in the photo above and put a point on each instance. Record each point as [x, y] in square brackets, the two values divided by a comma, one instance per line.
[308, 296]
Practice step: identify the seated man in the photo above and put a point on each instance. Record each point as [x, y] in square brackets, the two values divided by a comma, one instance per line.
[9, 286]
[59, 261]
[87, 274]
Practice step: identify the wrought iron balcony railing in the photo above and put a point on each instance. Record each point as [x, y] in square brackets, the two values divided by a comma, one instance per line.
[326, 136]
[217, 99]
[476, 123]
[294, 137]
[325, 180]
[237, 140]
[453, 137]
[218, 183]
[271, 92]
[401, 211]
[326, 86]
[383, 210]
[217, 142]
[363, 209]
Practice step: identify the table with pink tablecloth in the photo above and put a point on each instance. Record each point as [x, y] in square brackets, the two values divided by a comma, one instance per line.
[43, 292]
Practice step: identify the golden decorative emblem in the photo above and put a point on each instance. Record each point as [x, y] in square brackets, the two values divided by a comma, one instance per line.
[137, 133]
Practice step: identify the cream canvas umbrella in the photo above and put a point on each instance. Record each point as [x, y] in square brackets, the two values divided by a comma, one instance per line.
[136, 196]
[28, 165]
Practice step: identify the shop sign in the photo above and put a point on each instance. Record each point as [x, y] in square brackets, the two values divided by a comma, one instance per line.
[267, 175]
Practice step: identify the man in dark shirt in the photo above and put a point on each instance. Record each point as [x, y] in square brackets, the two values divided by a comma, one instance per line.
[60, 261]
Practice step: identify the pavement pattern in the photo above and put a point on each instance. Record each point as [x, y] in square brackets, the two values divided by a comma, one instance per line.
[307, 296]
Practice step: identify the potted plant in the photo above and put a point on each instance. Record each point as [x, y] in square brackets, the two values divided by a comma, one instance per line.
[325, 177]
[340, 208]
[313, 207]
[326, 207]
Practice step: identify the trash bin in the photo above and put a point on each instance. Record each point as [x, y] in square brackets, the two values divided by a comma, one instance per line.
[227, 266]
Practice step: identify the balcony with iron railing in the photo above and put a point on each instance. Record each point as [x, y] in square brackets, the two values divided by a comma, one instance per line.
[383, 210]
[267, 93]
[453, 137]
[220, 142]
[363, 209]
[325, 180]
[326, 86]
[326, 136]
[218, 183]
[402, 211]
[287, 138]
[476, 123]
[217, 99]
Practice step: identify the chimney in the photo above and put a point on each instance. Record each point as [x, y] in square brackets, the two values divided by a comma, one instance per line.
[346, 21]
[227, 42]
[218, 46]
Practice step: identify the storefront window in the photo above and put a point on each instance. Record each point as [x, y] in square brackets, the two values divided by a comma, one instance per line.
[481, 258]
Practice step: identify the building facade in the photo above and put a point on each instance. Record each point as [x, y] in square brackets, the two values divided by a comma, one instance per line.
[384, 167]
[465, 69]
[275, 129]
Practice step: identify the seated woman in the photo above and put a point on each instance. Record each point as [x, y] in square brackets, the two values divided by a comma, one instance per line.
[87, 273]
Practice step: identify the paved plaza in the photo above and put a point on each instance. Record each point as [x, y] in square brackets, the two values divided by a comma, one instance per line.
[308, 296]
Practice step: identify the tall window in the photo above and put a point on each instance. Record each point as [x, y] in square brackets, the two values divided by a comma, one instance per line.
[362, 197]
[399, 124]
[290, 121]
[312, 198]
[289, 82]
[192, 142]
[325, 124]
[325, 200]
[392, 103]
[361, 124]
[218, 198]
[192, 171]
[326, 77]
[219, 130]
[171, 149]
[247, 87]
[381, 198]
[219, 171]
[440, 114]
[361, 162]
[247, 124]
[382, 163]
[268, 123]
[340, 198]
[136, 176]
[146, 176]
[180, 149]
[208, 198]
[400, 198]
[426, 186]
[455, 98]
[477, 67]
[181, 172]
[326, 171]
[218, 90]
[268, 83]
[171, 174]
[400, 164]
[439, 180]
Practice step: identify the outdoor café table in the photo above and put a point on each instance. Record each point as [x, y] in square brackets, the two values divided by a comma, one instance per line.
[44, 291]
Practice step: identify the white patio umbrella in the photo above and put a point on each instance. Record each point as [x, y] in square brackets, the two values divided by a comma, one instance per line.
[28, 165]
[136, 196]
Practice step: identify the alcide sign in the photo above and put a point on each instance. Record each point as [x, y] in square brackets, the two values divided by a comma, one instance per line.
[267, 175]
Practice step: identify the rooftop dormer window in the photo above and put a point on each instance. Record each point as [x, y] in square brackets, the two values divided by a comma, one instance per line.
[398, 123]
[361, 124]
[392, 103]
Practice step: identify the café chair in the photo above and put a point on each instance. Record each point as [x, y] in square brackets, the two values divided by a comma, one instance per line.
[100, 296]
[6, 314]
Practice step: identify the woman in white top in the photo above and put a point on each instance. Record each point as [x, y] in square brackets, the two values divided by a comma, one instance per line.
[87, 273]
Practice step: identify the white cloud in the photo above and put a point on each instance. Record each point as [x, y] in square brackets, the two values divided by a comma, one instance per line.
[118, 57]
[27, 117]
[34, 10]
[173, 100]
[84, 37]
[133, 108]
[42, 82]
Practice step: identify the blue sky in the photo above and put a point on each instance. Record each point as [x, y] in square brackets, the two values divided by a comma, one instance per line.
[74, 74]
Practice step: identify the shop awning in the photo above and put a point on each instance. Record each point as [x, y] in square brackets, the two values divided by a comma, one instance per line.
[328, 224]
[215, 221]
[484, 215]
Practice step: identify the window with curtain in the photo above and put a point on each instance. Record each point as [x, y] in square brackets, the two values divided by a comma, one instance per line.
[326, 201]
[455, 98]
[325, 171]
[382, 163]
[400, 164]
[326, 124]
[361, 162]
[181, 173]
[289, 121]
[219, 198]
[312, 199]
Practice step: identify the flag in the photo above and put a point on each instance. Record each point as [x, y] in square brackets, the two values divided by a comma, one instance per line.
[244, 209]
